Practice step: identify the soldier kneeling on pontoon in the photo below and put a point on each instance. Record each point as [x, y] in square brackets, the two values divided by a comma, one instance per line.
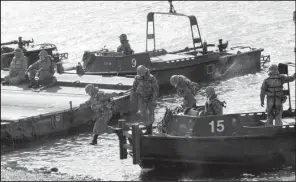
[42, 71]
[17, 69]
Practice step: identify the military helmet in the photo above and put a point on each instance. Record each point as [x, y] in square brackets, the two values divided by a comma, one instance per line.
[123, 37]
[90, 88]
[174, 80]
[18, 50]
[43, 53]
[273, 69]
[210, 91]
[141, 70]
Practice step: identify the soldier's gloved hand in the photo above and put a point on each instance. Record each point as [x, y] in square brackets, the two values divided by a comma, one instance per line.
[120, 94]
[262, 104]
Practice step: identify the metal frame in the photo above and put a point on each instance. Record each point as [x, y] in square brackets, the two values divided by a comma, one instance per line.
[193, 22]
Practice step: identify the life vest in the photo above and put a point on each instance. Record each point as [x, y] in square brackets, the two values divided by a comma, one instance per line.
[125, 48]
[274, 86]
[145, 86]
[215, 101]
[18, 64]
[185, 82]
[100, 102]
[47, 68]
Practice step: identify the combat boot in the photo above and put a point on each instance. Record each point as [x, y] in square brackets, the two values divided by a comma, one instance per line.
[31, 84]
[95, 140]
[5, 83]
[148, 130]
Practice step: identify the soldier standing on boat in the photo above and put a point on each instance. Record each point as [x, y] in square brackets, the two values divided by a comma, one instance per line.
[17, 68]
[186, 89]
[42, 71]
[213, 105]
[272, 87]
[125, 47]
[102, 106]
[145, 91]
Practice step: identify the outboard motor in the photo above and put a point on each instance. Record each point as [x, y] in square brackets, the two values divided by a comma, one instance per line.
[79, 69]
[60, 68]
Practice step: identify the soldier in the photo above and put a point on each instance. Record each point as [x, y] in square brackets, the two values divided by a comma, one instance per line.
[101, 104]
[213, 105]
[42, 71]
[272, 86]
[186, 89]
[17, 69]
[145, 91]
[125, 47]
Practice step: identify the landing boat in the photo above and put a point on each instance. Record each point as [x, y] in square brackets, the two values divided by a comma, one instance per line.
[202, 62]
[31, 51]
[240, 140]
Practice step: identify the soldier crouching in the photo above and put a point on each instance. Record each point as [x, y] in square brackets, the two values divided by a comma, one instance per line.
[42, 71]
[102, 106]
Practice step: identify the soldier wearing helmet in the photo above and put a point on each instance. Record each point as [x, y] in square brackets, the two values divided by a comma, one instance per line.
[145, 91]
[213, 105]
[17, 68]
[272, 87]
[102, 106]
[125, 47]
[42, 71]
[186, 89]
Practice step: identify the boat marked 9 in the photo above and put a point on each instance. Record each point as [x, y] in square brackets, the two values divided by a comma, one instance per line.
[220, 126]
[134, 62]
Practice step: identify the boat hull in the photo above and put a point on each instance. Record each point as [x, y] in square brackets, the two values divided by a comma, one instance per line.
[229, 140]
[202, 68]
[238, 151]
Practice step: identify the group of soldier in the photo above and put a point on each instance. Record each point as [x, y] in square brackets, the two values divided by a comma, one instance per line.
[145, 90]
[42, 71]
[39, 73]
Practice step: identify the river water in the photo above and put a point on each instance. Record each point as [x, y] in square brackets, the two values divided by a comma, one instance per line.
[78, 26]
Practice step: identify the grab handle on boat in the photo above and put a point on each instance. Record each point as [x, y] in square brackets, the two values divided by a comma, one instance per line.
[71, 108]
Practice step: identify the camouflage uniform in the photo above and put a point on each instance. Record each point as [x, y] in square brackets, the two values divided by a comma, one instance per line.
[102, 106]
[186, 89]
[272, 87]
[17, 69]
[42, 70]
[145, 91]
[213, 105]
[125, 46]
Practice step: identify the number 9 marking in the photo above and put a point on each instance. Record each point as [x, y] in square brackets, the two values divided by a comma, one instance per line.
[134, 62]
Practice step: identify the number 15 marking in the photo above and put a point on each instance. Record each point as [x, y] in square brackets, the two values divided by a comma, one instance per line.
[219, 128]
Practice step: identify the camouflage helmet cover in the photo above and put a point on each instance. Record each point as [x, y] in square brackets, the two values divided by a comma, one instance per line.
[91, 89]
[273, 69]
[174, 80]
[210, 91]
[18, 50]
[43, 53]
[141, 70]
[123, 37]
